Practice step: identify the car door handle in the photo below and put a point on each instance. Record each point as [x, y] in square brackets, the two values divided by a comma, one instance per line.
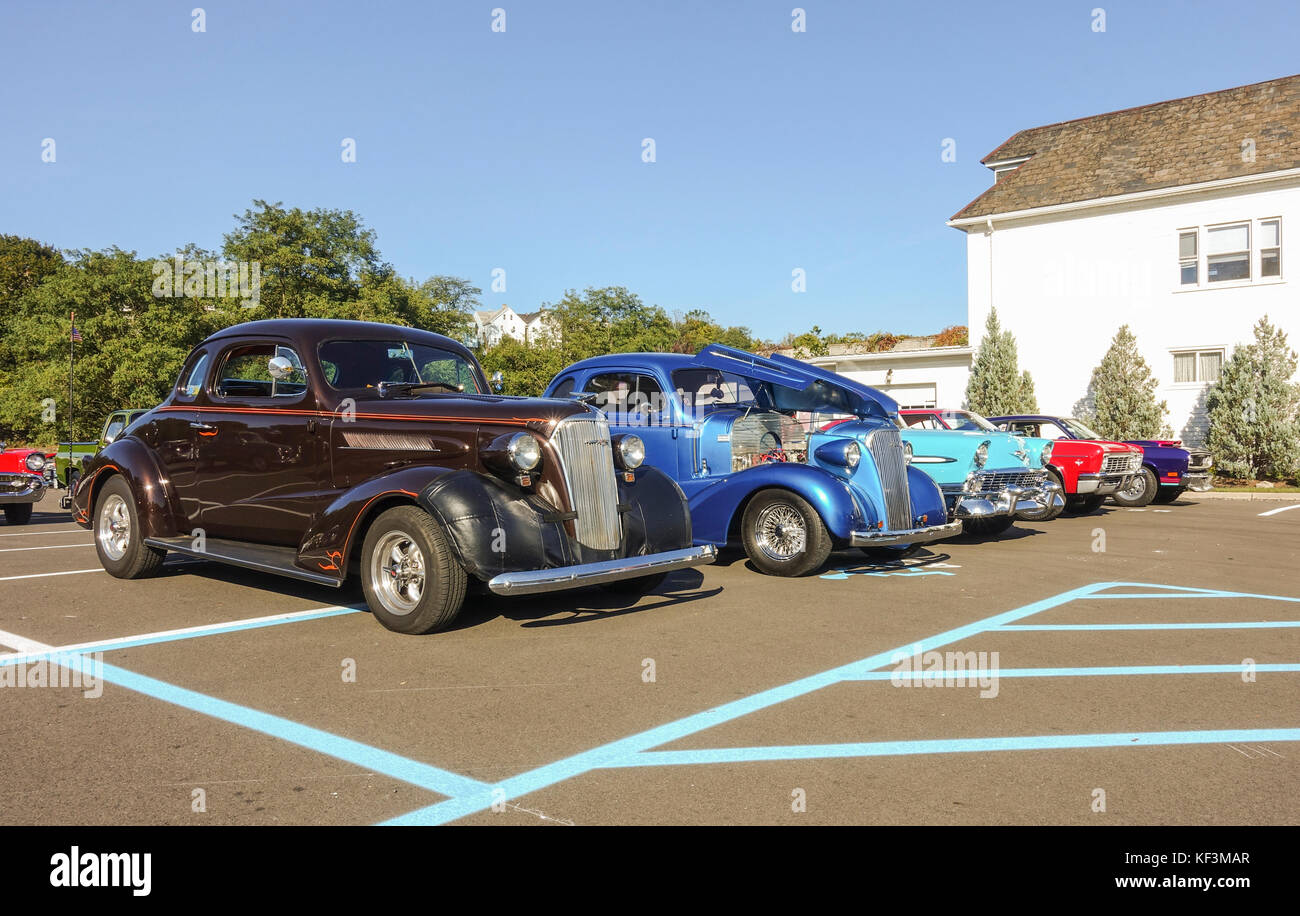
[205, 429]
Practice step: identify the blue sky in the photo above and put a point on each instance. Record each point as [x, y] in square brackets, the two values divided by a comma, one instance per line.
[523, 150]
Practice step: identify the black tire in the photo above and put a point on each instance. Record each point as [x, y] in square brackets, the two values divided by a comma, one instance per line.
[119, 540]
[412, 581]
[1141, 490]
[73, 478]
[774, 523]
[18, 513]
[988, 527]
[1084, 505]
[642, 585]
[1056, 513]
[1166, 495]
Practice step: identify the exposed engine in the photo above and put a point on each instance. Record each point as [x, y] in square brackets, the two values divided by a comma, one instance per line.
[762, 436]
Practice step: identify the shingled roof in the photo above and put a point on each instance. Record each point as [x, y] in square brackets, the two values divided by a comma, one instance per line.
[1163, 145]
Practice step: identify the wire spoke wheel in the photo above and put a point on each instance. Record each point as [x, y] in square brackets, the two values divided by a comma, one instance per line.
[780, 532]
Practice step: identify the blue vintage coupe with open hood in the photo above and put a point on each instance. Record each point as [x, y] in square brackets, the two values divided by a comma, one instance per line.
[753, 443]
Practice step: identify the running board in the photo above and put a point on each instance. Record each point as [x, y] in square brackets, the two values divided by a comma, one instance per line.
[259, 557]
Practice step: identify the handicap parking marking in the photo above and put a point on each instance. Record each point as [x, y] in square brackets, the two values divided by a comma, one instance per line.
[639, 750]
[46, 547]
[906, 569]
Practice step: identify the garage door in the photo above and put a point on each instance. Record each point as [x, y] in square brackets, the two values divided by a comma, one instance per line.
[915, 395]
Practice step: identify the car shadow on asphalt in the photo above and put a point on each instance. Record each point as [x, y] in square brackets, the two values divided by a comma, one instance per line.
[585, 605]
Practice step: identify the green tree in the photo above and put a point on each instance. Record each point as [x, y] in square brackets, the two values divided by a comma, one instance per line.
[1123, 393]
[526, 369]
[996, 386]
[809, 344]
[1254, 409]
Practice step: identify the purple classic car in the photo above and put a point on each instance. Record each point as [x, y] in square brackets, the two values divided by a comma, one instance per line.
[1168, 469]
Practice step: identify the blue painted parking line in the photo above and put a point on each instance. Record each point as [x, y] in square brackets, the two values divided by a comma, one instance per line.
[1208, 625]
[953, 746]
[637, 750]
[1103, 671]
[432, 778]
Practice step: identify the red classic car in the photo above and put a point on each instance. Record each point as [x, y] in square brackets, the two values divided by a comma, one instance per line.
[1088, 470]
[22, 482]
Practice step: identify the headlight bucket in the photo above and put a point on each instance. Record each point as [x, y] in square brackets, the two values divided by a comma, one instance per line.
[982, 454]
[907, 453]
[629, 452]
[844, 453]
[524, 452]
[1046, 457]
[35, 462]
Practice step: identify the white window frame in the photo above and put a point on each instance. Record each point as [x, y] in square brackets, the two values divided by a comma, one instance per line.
[1198, 352]
[1255, 256]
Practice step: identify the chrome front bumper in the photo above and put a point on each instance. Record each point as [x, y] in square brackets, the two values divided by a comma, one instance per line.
[30, 489]
[535, 581]
[1198, 482]
[912, 536]
[1101, 484]
[1033, 497]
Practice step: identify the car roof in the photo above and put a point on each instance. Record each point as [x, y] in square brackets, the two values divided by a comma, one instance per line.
[315, 330]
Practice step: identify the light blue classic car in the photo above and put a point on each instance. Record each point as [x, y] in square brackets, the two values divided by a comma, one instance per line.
[755, 445]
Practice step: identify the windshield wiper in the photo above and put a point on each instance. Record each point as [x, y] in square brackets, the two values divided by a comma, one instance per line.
[387, 388]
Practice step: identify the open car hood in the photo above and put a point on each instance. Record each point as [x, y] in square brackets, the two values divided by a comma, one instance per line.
[840, 393]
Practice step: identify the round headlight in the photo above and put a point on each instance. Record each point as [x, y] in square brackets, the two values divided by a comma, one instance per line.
[981, 454]
[525, 451]
[1046, 457]
[907, 453]
[852, 455]
[631, 452]
[35, 461]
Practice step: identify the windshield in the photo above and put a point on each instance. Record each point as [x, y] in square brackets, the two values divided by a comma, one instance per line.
[1078, 430]
[351, 364]
[965, 420]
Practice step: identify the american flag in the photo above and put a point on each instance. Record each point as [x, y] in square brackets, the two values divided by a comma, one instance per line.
[76, 335]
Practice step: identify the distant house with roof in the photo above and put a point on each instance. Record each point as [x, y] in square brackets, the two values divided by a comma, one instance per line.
[1171, 218]
[492, 325]
[914, 372]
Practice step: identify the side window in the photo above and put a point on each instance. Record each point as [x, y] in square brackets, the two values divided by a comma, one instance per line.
[245, 372]
[920, 421]
[627, 393]
[1051, 431]
[564, 389]
[114, 427]
[191, 381]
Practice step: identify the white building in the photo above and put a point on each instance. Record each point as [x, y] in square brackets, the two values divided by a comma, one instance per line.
[491, 326]
[913, 373]
[1171, 218]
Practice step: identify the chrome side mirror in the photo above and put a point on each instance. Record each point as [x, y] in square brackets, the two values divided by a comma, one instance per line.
[279, 367]
[497, 380]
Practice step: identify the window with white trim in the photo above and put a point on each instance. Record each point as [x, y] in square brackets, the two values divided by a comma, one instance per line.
[1192, 367]
[1242, 252]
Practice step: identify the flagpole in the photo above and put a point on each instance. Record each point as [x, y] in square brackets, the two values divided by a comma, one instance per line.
[72, 349]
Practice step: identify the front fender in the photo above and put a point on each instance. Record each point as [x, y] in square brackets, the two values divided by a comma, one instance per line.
[714, 507]
[156, 505]
[927, 497]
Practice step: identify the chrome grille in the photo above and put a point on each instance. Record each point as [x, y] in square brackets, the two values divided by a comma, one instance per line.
[997, 481]
[1117, 464]
[886, 448]
[587, 460]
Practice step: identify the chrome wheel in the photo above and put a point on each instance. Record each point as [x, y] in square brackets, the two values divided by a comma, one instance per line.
[780, 532]
[1136, 489]
[397, 573]
[114, 528]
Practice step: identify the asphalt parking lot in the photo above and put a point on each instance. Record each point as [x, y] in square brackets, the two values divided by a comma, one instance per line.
[1156, 678]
